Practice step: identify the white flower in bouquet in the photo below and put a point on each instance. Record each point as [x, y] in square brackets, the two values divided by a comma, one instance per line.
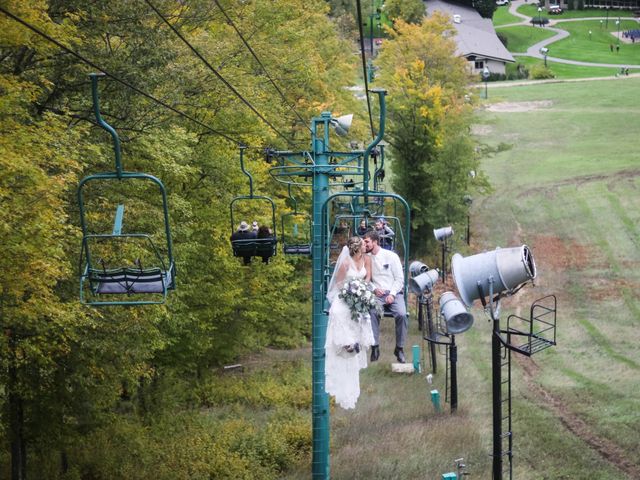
[358, 295]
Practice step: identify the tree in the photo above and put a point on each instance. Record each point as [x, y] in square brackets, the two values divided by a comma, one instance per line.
[485, 8]
[429, 122]
[409, 11]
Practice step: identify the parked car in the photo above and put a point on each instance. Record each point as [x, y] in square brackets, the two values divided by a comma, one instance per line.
[502, 2]
[555, 10]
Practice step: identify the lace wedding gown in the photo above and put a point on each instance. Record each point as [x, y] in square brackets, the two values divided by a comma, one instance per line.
[342, 368]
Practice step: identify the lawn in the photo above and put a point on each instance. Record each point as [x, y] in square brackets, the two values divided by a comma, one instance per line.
[578, 45]
[563, 70]
[502, 16]
[521, 37]
[532, 11]
[568, 188]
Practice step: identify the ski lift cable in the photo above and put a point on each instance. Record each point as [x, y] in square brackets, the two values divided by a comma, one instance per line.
[116, 78]
[255, 56]
[216, 73]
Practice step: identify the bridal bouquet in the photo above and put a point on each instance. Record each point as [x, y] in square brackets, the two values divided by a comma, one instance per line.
[359, 297]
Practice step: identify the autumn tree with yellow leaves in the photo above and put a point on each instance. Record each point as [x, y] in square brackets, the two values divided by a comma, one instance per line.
[429, 123]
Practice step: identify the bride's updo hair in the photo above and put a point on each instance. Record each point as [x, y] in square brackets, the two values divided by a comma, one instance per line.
[355, 245]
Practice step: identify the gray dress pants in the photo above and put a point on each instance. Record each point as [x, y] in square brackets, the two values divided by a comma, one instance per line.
[399, 312]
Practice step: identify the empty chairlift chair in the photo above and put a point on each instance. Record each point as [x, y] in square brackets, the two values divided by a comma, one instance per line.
[142, 280]
[296, 239]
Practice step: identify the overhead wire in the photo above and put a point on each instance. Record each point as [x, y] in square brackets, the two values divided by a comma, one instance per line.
[217, 74]
[115, 77]
[255, 56]
[364, 66]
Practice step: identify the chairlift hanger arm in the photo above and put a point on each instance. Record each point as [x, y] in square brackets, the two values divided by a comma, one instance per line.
[242, 149]
[96, 110]
[379, 169]
[383, 111]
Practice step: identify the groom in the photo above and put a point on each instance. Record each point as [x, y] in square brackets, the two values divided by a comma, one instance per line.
[388, 281]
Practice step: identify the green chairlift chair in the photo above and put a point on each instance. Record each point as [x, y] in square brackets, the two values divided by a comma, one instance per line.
[253, 247]
[359, 202]
[295, 242]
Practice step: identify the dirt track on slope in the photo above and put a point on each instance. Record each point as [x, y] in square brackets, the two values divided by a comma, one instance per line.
[608, 450]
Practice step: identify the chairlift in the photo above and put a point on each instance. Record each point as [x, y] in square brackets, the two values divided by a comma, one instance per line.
[300, 244]
[333, 238]
[143, 280]
[248, 248]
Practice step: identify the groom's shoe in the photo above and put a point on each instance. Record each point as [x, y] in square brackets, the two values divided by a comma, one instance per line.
[375, 353]
[399, 353]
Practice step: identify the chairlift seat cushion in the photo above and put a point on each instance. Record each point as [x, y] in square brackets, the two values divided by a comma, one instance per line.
[301, 249]
[130, 281]
[254, 247]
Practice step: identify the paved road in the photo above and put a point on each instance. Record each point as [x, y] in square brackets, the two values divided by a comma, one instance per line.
[534, 50]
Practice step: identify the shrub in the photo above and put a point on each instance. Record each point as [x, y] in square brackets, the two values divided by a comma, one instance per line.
[518, 73]
[539, 21]
[540, 72]
[285, 384]
[193, 445]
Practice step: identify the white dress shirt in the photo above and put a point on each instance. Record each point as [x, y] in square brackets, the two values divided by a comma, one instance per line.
[386, 272]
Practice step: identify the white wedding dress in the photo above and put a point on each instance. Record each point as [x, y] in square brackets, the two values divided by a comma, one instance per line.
[342, 368]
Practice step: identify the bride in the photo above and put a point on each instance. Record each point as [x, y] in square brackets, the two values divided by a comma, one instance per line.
[347, 339]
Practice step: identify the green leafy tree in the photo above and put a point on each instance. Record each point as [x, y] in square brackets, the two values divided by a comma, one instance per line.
[410, 11]
[485, 8]
[429, 123]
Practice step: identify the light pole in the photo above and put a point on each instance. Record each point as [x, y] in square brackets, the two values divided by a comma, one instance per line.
[468, 200]
[540, 16]
[544, 51]
[485, 75]
[618, 26]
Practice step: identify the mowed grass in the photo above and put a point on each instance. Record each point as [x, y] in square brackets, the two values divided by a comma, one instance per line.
[532, 11]
[578, 45]
[576, 201]
[502, 16]
[395, 432]
[521, 37]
